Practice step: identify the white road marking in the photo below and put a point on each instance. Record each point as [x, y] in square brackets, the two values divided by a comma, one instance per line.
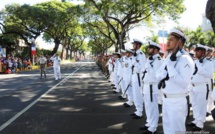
[34, 102]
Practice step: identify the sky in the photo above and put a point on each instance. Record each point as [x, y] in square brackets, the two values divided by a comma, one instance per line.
[191, 18]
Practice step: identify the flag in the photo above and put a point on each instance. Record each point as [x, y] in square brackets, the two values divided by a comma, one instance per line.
[33, 49]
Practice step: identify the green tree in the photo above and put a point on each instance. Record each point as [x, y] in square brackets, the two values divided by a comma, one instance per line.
[61, 19]
[120, 15]
[197, 36]
[210, 38]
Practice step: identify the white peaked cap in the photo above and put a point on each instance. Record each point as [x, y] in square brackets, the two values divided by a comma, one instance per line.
[209, 48]
[137, 41]
[201, 46]
[123, 51]
[129, 50]
[179, 32]
[162, 52]
[192, 52]
[116, 53]
[151, 43]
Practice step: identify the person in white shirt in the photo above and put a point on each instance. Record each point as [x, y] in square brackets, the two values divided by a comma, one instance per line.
[200, 87]
[175, 76]
[210, 104]
[138, 61]
[56, 65]
[150, 88]
[127, 64]
[42, 63]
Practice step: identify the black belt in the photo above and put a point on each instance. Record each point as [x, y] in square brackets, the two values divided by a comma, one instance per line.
[212, 84]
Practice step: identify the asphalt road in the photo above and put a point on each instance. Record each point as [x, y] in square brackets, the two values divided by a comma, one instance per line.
[81, 102]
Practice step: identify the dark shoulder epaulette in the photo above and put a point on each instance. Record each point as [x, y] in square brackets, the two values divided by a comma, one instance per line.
[159, 58]
[209, 59]
[141, 53]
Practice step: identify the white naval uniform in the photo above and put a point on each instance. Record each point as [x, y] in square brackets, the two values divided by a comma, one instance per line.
[116, 77]
[200, 81]
[127, 79]
[174, 107]
[210, 104]
[151, 98]
[56, 66]
[110, 69]
[120, 71]
[138, 62]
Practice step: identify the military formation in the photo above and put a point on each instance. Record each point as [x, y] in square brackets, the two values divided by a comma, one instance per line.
[176, 80]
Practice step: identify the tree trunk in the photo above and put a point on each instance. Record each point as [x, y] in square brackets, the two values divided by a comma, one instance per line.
[57, 43]
[67, 54]
[210, 12]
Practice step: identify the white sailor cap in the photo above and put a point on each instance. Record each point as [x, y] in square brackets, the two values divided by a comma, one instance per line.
[192, 52]
[123, 51]
[151, 43]
[137, 41]
[200, 46]
[179, 33]
[161, 52]
[209, 48]
[129, 50]
[116, 53]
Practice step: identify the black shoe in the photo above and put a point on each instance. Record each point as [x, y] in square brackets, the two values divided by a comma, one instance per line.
[133, 114]
[207, 114]
[121, 98]
[109, 81]
[137, 117]
[143, 128]
[191, 124]
[126, 105]
[195, 128]
[149, 132]
[112, 85]
[115, 92]
[113, 88]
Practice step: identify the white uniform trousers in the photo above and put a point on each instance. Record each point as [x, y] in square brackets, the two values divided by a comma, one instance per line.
[57, 72]
[199, 105]
[160, 96]
[111, 77]
[122, 85]
[210, 104]
[174, 115]
[129, 93]
[138, 98]
[116, 80]
[151, 108]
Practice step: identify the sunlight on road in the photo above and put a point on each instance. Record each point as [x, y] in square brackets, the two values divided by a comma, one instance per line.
[116, 104]
[117, 126]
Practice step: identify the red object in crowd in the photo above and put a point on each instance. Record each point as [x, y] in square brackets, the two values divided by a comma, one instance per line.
[163, 46]
[8, 71]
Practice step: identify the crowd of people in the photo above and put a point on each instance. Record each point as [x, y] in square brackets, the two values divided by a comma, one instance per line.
[12, 64]
[176, 80]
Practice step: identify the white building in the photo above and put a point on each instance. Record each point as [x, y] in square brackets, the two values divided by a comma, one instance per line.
[206, 24]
